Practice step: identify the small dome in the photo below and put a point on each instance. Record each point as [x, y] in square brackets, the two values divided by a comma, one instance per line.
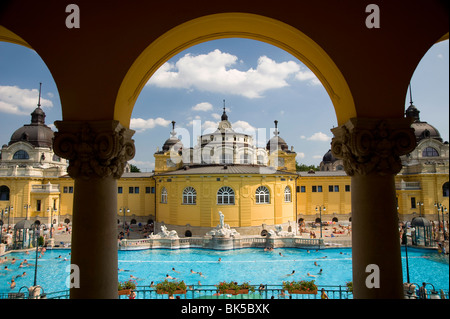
[37, 133]
[420, 222]
[172, 141]
[24, 224]
[277, 143]
[329, 157]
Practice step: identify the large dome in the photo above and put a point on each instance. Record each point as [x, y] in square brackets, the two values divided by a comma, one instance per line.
[329, 157]
[276, 142]
[422, 130]
[37, 133]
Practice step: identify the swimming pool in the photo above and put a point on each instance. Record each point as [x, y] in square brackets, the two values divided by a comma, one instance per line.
[251, 265]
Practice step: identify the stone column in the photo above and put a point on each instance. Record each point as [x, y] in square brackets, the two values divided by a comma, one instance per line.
[371, 150]
[97, 153]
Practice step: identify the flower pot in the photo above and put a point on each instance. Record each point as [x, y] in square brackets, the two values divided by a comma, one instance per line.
[236, 292]
[303, 292]
[176, 292]
[124, 292]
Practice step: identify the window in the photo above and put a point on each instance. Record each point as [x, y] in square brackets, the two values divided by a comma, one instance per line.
[413, 202]
[22, 155]
[38, 205]
[262, 195]
[302, 189]
[336, 188]
[164, 195]
[189, 196]
[317, 189]
[225, 196]
[120, 190]
[133, 190]
[445, 191]
[56, 158]
[430, 152]
[68, 189]
[287, 195]
[4, 192]
[347, 188]
[330, 188]
[147, 190]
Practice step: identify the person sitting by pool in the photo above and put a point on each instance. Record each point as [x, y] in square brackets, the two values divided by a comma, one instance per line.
[261, 287]
[324, 294]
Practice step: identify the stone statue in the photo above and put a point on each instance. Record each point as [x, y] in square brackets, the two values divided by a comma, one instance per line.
[165, 233]
[222, 230]
[279, 232]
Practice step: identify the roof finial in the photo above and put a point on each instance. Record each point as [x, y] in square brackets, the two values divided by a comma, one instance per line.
[224, 114]
[173, 133]
[410, 94]
[276, 127]
[39, 100]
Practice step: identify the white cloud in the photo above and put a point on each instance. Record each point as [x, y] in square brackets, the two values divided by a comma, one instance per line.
[212, 72]
[143, 165]
[140, 125]
[300, 155]
[216, 116]
[305, 74]
[15, 100]
[204, 106]
[319, 137]
[317, 156]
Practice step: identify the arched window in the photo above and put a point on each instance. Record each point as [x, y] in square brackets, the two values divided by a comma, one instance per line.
[262, 195]
[4, 192]
[21, 154]
[445, 190]
[430, 152]
[189, 196]
[287, 195]
[164, 195]
[225, 196]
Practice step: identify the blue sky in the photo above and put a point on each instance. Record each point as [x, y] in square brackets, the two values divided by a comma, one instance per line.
[259, 82]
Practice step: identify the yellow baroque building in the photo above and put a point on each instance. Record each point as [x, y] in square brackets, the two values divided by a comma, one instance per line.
[254, 187]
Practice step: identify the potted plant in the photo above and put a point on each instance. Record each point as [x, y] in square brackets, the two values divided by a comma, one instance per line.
[234, 288]
[349, 286]
[171, 287]
[125, 287]
[300, 287]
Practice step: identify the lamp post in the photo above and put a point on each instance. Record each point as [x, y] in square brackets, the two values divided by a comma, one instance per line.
[9, 210]
[1, 228]
[36, 231]
[443, 209]
[405, 240]
[125, 210]
[26, 207]
[420, 208]
[319, 208]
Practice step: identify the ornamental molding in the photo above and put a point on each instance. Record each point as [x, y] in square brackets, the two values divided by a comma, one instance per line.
[373, 146]
[94, 149]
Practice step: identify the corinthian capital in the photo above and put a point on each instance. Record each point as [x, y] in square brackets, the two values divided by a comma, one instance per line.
[94, 149]
[373, 146]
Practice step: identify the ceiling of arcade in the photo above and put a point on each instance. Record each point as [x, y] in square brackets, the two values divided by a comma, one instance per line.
[120, 44]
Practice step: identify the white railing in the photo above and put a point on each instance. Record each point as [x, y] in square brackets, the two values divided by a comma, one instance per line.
[229, 243]
[46, 188]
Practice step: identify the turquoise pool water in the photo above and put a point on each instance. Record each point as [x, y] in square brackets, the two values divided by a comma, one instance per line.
[253, 265]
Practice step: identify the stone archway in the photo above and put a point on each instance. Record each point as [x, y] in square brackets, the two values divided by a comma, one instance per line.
[235, 25]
